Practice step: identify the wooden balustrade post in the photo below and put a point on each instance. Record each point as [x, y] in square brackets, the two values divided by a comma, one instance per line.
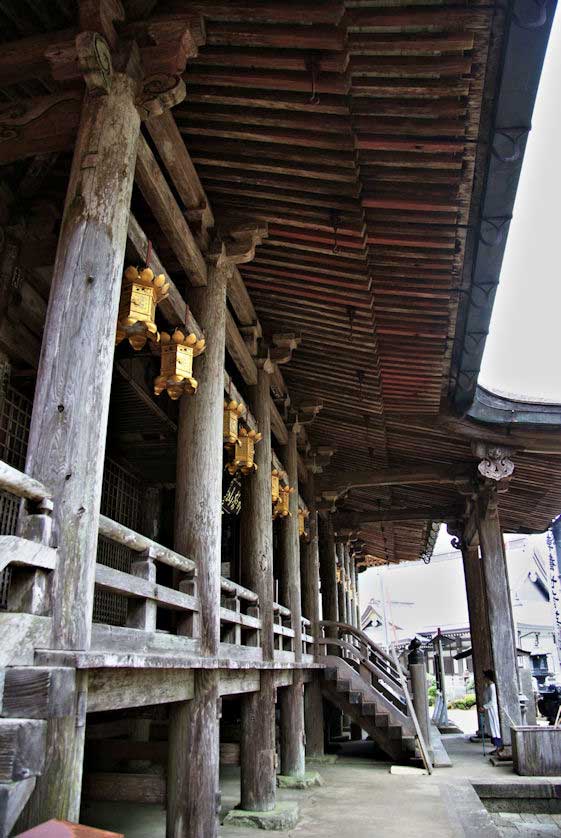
[499, 609]
[258, 780]
[291, 699]
[233, 633]
[192, 785]
[69, 421]
[141, 613]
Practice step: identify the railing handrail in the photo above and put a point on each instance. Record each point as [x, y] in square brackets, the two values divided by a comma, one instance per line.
[232, 587]
[128, 537]
[18, 483]
[281, 609]
[360, 635]
[395, 690]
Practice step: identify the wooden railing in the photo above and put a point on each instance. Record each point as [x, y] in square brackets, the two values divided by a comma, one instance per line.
[307, 638]
[282, 628]
[372, 663]
[239, 611]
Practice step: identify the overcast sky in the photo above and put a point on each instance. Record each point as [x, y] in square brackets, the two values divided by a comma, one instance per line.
[522, 354]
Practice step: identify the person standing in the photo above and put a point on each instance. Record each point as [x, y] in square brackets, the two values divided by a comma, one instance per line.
[491, 710]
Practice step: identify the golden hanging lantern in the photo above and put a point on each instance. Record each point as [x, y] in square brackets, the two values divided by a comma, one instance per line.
[338, 572]
[244, 452]
[282, 506]
[275, 485]
[232, 412]
[141, 292]
[302, 516]
[176, 363]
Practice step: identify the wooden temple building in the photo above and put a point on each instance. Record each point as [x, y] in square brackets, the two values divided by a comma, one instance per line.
[248, 257]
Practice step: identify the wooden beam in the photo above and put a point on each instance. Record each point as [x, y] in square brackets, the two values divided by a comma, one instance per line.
[172, 150]
[399, 476]
[39, 125]
[237, 349]
[162, 202]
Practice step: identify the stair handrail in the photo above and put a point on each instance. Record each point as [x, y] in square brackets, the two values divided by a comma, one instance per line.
[418, 732]
[346, 628]
[395, 689]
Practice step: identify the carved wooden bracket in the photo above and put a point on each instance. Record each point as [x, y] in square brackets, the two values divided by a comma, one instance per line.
[284, 346]
[495, 460]
[241, 239]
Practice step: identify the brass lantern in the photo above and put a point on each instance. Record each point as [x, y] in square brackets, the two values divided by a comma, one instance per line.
[232, 412]
[244, 452]
[338, 573]
[140, 294]
[176, 364]
[275, 485]
[302, 515]
[282, 506]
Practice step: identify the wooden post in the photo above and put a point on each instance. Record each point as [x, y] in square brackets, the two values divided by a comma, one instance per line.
[499, 609]
[313, 702]
[349, 586]
[356, 601]
[328, 572]
[258, 780]
[192, 786]
[292, 698]
[341, 602]
[66, 446]
[478, 620]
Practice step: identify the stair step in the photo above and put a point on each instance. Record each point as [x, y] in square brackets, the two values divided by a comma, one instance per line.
[22, 748]
[330, 673]
[13, 797]
[395, 731]
[353, 696]
[38, 692]
[368, 708]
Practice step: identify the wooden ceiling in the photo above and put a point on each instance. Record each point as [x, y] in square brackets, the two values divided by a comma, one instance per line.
[358, 131]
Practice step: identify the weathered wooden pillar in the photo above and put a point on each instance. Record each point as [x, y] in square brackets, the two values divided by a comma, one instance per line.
[313, 702]
[291, 699]
[478, 619]
[499, 610]
[328, 573]
[356, 601]
[69, 421]
[258, 778]
[341, 582]
[192, 786]
[349, 587]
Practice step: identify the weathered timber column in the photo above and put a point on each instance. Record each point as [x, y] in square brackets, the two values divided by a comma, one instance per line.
[291, 699]
[478, 619]
[499, 609]
[313, 702]
[419, 690]
[66, 446]
[192, 785]
[354, 573]
[69, 421]
[258, 779]
[328, 573]
[349, 587]
[341, 597]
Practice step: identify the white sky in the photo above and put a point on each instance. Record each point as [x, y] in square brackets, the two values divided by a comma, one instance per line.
[522, 351]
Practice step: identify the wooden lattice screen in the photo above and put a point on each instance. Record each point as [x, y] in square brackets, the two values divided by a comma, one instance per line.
[120, 501]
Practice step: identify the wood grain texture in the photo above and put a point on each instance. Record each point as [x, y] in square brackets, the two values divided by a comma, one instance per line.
[160, 198]
[481, 653]
[194, 731]
[257, 753]
[501, 623]
[193, 797]
[65, 447]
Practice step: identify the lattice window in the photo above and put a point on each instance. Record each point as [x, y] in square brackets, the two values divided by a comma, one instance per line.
[120, 500]
[15, 418]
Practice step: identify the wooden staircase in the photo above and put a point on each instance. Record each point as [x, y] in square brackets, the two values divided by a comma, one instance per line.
[362, 681]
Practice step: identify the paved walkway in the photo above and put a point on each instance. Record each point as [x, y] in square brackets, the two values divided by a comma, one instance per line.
[360, 798]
